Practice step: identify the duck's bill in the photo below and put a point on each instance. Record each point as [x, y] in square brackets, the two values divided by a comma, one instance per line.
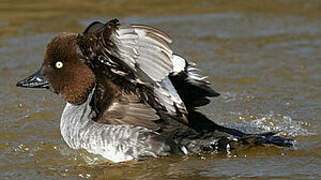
[36, 80]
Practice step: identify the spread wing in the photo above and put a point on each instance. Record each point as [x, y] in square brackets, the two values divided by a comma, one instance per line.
[138, 49]
[144, 49]
[139, 53]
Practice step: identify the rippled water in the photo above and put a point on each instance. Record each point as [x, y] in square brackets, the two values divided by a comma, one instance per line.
[266, 65]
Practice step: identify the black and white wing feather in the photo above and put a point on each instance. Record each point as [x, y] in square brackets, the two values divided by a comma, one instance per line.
[142, 55]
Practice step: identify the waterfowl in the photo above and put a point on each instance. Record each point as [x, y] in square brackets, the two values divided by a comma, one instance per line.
[129, 96]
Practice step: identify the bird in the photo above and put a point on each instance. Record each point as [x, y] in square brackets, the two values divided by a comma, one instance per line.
[129, 96]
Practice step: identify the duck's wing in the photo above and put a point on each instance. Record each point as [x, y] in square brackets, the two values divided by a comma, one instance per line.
[139, 53]
[129, 110]
[138, 49]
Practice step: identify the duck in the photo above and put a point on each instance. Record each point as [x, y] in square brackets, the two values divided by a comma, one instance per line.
[129, 96]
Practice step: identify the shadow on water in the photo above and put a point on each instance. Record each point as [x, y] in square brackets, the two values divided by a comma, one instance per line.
[264, 59]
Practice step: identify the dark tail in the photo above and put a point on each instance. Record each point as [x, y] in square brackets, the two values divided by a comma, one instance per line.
[219, 138]
[229, 143]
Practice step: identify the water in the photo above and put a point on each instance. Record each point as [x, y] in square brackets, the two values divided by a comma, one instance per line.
[264, 58]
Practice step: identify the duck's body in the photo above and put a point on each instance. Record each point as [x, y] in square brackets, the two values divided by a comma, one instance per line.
[115, 143]
[129, 96]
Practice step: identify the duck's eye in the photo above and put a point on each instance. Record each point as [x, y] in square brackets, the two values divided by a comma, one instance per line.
[59, 64]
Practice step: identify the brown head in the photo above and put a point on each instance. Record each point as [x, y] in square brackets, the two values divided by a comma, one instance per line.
[62, 71]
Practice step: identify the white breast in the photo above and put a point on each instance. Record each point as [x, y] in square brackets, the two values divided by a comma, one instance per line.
[116, 143]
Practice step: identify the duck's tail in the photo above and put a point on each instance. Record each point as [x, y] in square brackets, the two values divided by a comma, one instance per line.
[222, 142]
[228, 143]
[213, 137]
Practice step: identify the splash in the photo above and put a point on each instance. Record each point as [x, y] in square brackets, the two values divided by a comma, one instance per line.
[282, 124]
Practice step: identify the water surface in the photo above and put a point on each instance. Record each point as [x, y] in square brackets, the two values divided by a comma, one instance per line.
[264, 58]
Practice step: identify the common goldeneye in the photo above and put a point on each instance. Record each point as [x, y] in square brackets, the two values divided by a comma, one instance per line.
[129, 96]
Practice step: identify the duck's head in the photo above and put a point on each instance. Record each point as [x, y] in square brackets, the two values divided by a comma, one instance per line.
[62, 71]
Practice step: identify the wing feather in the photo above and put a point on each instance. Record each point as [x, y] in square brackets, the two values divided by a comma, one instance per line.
[140, 53]
[143, 46]
[130, 112]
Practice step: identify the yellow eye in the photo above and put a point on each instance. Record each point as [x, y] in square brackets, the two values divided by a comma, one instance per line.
[59, 64]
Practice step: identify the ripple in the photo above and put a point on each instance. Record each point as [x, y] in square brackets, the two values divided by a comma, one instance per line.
[233, 96]
[3, 24]
[222, 24]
